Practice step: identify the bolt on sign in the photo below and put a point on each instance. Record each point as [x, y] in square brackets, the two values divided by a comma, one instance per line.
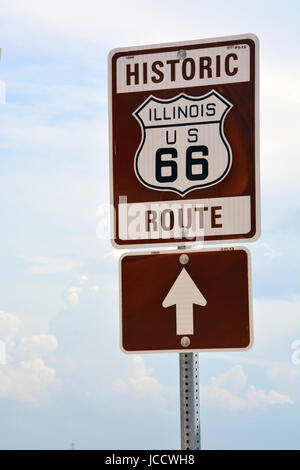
[184, 142]
[192, 301]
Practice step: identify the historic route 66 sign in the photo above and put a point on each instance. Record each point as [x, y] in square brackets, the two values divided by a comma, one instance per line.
[183, 144]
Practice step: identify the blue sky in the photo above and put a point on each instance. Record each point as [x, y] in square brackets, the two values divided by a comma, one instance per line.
[66, 379]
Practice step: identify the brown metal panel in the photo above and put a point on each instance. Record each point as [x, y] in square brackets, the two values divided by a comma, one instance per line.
[222, 275]
[239, 129]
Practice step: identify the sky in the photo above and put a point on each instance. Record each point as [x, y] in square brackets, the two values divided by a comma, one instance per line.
[64, 378]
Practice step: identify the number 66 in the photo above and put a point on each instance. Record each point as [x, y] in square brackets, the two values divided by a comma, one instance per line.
[172, 165]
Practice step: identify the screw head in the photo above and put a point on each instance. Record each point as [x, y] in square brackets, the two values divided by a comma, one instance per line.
[181, 54]
[184, 259]
[185, 341]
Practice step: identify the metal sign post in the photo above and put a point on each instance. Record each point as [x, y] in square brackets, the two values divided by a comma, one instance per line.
[189, 387]
[189, 401]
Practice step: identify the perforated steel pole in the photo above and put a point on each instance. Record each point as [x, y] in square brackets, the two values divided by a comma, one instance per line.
[189, 401]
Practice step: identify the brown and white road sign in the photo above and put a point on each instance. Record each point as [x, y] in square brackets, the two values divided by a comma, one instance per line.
[186, 301]
[184, 142]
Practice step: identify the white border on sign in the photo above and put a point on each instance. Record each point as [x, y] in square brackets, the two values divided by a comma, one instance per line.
[181, 45]
[189, 252]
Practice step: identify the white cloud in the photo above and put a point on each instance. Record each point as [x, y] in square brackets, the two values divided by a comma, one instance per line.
[142, 379]
[227, 390]
[45, 265]
[24, 376]
[94, 288]
[221, 397]
[85, 288]
[73, 294]
[259, 398]
[27, 381]
[39, 344]
[83, 279]
[234, 380]
[141, 383]
[284, 374]
[224, 390]
[9, 323]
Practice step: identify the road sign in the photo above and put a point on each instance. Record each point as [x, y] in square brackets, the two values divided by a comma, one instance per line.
[184, 142]
[183, 301]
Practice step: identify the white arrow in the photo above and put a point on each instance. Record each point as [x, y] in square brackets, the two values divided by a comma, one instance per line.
[184, 293]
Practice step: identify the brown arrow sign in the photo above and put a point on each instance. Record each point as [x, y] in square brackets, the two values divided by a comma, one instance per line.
[186, 301]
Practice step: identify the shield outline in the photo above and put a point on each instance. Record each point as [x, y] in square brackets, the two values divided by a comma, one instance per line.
[221, 131]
